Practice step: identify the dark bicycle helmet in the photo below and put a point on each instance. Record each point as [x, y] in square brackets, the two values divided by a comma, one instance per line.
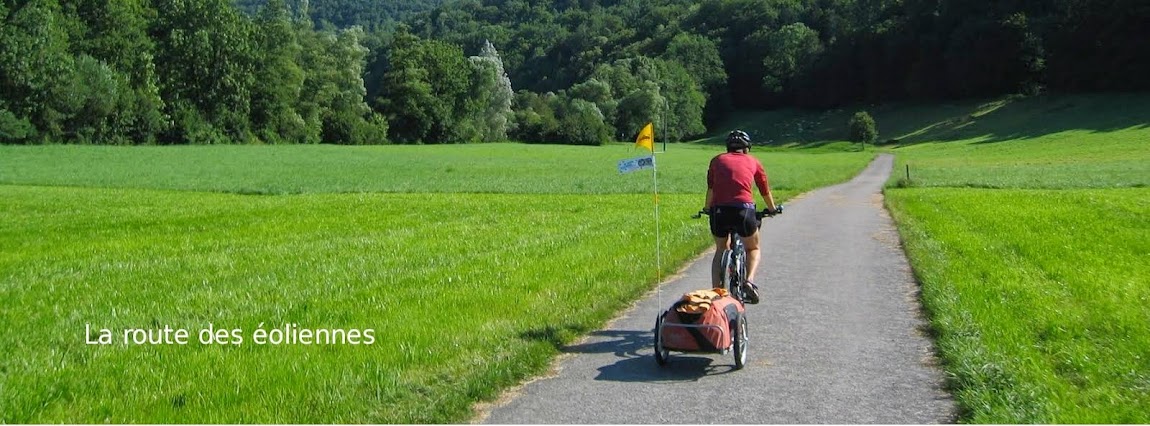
[738, 139]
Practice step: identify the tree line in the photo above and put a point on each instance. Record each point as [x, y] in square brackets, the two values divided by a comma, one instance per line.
[565, 71]
[818, 53]
[372, 15]
[178, 71]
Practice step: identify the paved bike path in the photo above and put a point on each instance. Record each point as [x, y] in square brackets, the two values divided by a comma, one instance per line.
[836, 339]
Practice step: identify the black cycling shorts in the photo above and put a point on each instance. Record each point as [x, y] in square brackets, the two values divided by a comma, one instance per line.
[725, 219]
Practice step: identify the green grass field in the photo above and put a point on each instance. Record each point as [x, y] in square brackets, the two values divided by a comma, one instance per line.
[483, 168]
[1026, 220]
[1065, 160]
[1041, 299]
[1028, 226]
[469, 285]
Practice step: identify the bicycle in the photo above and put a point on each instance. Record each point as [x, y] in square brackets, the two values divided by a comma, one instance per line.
[733, 267]
[674, 333]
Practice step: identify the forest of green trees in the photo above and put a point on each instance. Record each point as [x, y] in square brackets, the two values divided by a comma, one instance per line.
[565, 71]
[372, 15]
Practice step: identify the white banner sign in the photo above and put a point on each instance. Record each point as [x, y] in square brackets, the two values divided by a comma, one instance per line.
[633, 164]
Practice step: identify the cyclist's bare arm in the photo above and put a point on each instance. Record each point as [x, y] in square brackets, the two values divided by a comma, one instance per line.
[765, 191]
[769, 198]
[710, 199]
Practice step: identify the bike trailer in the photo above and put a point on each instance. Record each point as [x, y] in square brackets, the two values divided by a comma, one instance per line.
[705, 321]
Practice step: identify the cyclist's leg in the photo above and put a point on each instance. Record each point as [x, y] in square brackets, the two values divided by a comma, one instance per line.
[722, 244]
[750, 236]
[720, 231]
[749, 233]
[751, 244]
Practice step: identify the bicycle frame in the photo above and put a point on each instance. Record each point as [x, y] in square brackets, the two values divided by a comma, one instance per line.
[734, 268]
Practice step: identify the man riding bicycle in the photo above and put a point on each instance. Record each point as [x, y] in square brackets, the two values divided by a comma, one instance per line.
[732, 205]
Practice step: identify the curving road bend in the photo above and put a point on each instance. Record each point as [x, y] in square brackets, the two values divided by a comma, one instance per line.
[836, 339]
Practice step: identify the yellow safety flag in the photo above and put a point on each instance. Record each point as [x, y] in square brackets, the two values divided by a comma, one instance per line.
[646, 137]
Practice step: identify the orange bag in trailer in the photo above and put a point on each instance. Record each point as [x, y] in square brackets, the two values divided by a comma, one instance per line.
[701, 322]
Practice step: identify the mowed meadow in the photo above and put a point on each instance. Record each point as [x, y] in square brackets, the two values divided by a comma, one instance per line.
[1028, 225]
[471, 264]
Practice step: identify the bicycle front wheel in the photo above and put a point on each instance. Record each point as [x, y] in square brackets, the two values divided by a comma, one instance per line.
[731, 277]
[741, 266]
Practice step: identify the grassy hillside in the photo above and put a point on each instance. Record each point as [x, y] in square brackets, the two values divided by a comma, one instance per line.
[984, 121]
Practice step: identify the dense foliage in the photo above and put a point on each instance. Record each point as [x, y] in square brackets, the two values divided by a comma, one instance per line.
[588, 71]
[370, 14]
[819, 52]
[178, 71]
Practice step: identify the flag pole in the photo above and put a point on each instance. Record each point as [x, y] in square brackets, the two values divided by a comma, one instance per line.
[658, 237]
[646, 139]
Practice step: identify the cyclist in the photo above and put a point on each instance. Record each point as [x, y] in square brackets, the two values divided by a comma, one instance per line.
[732, 205]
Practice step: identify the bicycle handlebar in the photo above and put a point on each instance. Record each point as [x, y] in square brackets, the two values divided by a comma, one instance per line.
[758, 214]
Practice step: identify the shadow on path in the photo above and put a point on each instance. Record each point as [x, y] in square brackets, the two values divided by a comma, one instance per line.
[636, 362]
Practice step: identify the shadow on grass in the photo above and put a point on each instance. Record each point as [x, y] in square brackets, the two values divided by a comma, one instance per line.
[991, 120]
[1013, 118]
[633, 351]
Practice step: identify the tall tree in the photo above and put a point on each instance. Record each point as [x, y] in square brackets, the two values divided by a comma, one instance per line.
[424, 94]
[350, 118]
[333, 96]
[36, 68]
[792, 50]
[699, 55]
[535, 119]
[582, 123]
[205, 60]
[650, 89]
[685, 101]
[491, 90]
[116, 33]
[97, 95]
[278, 78]
[406, 96]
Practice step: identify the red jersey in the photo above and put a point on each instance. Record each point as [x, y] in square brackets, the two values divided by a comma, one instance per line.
[731, 175]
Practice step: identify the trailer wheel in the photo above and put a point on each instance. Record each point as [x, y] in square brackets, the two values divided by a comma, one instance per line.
[662, 354]
[739, 341]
